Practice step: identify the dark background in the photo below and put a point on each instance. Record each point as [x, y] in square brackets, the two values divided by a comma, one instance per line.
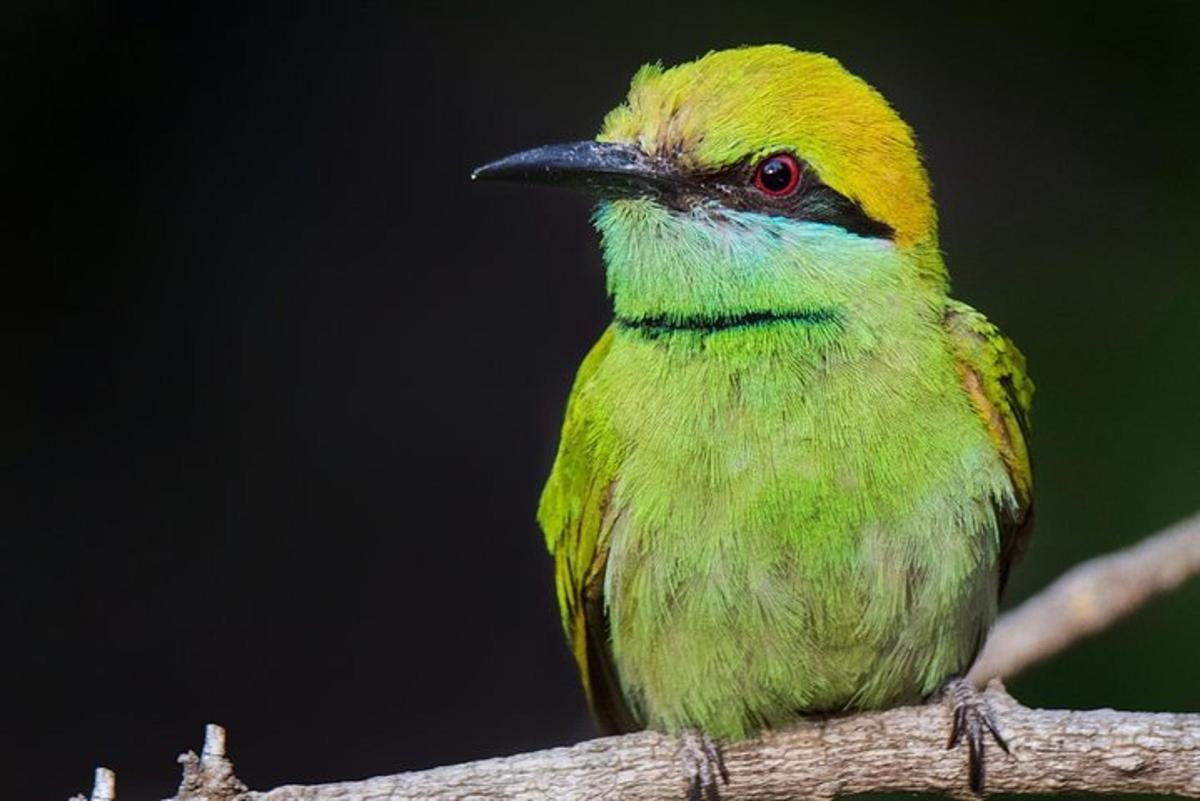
[286, 384]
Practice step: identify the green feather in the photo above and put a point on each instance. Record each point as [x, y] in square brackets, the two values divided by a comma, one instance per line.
[791, 473]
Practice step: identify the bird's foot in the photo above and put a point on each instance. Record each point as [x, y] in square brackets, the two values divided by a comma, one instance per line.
[973, 717]
[703, 763]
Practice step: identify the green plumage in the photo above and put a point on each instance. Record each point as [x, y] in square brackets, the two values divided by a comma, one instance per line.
[797, 516]
[793, 472]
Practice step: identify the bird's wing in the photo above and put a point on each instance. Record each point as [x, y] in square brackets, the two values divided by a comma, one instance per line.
[992, 372]
[577, 516]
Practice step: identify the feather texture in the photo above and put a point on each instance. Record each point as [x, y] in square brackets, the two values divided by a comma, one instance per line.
[800, 489]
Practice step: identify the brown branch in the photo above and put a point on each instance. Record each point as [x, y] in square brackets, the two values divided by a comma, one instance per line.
[1089, 598]
[899, 750]
[209, 777]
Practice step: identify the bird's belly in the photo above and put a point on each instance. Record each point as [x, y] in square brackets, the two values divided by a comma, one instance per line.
[740, 600]
[791, 532]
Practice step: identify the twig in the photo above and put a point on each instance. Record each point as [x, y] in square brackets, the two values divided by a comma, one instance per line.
[1089, 598]
[899, 750]
[209, 777]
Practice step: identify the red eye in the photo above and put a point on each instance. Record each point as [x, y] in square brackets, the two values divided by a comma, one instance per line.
[778, 175]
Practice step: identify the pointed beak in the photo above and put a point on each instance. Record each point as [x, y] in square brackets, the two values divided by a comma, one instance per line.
[607, 169]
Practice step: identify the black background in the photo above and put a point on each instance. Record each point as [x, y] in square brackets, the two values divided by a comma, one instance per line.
[286, 384]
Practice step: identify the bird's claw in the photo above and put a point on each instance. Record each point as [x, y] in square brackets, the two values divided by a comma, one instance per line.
[703, 763]
[973, 717]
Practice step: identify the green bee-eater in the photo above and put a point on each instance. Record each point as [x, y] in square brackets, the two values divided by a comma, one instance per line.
[793, 472]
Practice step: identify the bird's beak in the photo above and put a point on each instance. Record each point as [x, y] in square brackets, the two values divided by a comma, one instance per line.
[607, 169]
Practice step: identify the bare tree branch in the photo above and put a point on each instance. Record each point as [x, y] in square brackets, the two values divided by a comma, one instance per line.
[897, 750]
[209, 777]
[1089, 598]
[1053, 751]
[900, 750]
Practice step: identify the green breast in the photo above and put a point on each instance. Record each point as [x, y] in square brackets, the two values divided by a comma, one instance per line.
[804, 519]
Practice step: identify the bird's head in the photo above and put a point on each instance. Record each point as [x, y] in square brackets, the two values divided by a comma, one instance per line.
[750, 184]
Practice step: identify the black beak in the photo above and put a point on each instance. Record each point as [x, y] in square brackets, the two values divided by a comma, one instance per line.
[603, 168]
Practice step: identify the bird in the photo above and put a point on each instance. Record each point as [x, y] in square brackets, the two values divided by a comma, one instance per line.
[793, 474]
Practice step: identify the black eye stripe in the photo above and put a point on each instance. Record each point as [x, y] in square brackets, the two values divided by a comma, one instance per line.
[812, 200]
